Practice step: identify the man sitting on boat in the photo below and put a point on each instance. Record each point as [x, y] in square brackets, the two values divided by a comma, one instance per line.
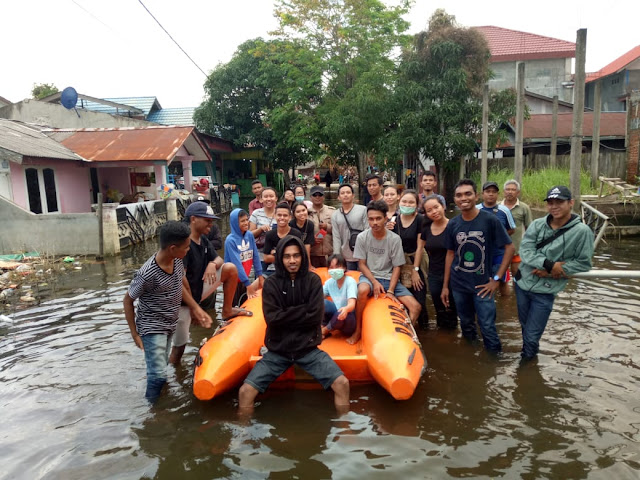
[380, 259]
[293, 307]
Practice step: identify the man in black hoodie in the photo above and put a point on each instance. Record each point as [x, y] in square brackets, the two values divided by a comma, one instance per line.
[293, 307]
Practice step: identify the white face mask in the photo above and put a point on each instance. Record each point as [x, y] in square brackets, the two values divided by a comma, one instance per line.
[336, 273]
[299, 198]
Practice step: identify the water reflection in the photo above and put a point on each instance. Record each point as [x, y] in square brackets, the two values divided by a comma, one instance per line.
[72, 389]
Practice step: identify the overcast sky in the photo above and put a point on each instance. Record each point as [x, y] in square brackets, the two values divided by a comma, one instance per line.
[114, 48]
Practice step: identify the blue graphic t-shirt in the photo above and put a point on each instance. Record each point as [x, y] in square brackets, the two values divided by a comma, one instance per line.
[474, 244]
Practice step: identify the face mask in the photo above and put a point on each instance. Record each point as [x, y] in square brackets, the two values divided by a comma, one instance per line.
[407, 210]
[336, 273]
[299, 199]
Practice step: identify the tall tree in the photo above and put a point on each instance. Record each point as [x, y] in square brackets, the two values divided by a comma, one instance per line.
[41, 90]
[352, 43]
[439, 91]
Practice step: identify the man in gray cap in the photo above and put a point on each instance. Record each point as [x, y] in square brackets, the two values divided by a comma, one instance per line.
[204, 272]
[553, 248]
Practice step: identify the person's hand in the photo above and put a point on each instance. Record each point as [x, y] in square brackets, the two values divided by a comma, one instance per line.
[378, 289]
[201, 317]
[137, 340]
[488, 288]
[251, 291]
[557, 271]
[210, 274]
[325, 331]
[342, 313]
[390, 225]
[542, 273]
[260, 282]
[416, 281]
[312, 268]
[265, 228]
[444, 296]
[392, 297]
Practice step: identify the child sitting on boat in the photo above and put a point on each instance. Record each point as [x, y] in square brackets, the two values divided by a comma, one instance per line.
[339, 311]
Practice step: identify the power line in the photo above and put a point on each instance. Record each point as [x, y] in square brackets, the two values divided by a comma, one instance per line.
[174, 41]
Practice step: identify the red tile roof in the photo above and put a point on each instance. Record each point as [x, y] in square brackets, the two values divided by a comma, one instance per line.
[128, 144]
[510, 45]
[612, 124]
[615, 66]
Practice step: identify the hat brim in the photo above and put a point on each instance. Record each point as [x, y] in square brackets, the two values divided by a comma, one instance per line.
[559, 197]
[206, 215]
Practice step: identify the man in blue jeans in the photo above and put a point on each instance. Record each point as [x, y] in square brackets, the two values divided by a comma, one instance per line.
[160, 286]
[472, 238]
[553, 248]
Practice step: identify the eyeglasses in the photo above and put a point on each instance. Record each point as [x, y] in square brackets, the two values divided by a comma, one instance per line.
[318, 194]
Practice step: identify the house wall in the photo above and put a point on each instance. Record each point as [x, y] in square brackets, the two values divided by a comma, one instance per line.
[613, 87]
[55, 115]
[537, 105]
[72, 184]
[541, 76]
[116, 178]
[49, 234]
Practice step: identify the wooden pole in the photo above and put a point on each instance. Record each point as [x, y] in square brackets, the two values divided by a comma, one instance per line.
[554, 134]
[517, 167]
[485, 133]
[595, 140]
[100, 229]
[578, 115]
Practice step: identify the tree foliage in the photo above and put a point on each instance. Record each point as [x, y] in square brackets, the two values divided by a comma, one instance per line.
[42, 90]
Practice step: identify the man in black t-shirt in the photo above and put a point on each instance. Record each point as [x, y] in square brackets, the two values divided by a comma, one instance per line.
[271, 239]
[204, 272]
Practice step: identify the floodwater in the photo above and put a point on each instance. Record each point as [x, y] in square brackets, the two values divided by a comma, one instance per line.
[72, 397]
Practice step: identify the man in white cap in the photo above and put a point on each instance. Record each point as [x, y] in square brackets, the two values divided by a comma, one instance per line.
[553, 248]
[204, 272]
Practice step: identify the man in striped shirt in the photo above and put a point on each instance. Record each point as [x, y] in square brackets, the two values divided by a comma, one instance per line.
[160, 286]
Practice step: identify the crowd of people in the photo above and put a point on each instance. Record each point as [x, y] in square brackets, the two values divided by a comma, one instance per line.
[401, 243]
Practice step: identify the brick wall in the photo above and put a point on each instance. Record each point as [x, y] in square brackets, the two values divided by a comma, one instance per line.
[633, 146]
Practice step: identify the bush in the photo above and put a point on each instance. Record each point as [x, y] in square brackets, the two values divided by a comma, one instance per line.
[536, 183]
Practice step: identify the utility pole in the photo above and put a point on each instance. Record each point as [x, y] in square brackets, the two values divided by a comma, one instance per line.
[595, 139]
[517, 167]
[578, 116]
[554, 133]
[485, 134]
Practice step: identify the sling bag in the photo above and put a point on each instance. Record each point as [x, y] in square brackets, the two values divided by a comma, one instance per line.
[354, 232]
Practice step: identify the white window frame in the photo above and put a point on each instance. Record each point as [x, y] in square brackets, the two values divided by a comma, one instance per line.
[43, 194]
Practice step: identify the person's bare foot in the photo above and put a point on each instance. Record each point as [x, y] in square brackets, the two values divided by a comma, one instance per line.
[353, 339]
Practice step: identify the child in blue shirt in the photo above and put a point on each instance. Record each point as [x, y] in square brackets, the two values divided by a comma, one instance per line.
[339, 311]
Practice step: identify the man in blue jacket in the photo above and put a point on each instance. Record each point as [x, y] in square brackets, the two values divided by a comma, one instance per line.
[293, 307]
[553, 248]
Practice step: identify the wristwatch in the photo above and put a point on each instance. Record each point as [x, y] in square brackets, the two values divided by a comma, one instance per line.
[496, 278]
[417, 269]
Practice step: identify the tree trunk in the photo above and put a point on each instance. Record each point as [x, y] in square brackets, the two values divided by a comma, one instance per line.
[362, 172]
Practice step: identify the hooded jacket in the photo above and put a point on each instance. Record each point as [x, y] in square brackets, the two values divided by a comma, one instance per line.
[575, 247]
[293, 308]
[240, 249]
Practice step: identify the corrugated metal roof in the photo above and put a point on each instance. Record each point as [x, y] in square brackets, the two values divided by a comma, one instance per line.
[131, 144]
[25, 140]
[614, 67]
[173, 116]
[510, 45]
[146, 104]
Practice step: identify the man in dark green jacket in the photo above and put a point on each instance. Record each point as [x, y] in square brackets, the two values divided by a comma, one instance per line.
[553, 248]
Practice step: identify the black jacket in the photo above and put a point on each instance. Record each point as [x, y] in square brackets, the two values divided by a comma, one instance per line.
[293, 309]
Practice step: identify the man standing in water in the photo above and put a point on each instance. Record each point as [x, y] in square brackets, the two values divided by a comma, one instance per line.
[522, 217]
[293, 307]
[472, 239]
[553, 248]
[160, 287]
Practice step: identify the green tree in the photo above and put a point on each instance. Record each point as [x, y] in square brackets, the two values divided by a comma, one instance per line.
[235, 101]
[351, 43]
[42, 90]
[438, 95]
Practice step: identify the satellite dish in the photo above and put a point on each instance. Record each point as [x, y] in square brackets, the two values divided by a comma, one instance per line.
[69, 98]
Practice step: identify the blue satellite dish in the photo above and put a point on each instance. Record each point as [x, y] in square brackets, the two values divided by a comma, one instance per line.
[69, 98]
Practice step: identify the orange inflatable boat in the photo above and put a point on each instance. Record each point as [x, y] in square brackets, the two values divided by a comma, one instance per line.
[388, 352]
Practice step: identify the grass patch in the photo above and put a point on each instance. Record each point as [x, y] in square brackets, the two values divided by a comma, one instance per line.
[536, 183]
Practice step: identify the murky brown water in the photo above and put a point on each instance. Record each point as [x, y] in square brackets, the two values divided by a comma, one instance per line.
[72, 396]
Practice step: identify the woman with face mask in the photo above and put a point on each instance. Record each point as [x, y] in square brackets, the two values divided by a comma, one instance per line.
[339, 311]
[409, 225]
[300, 192]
